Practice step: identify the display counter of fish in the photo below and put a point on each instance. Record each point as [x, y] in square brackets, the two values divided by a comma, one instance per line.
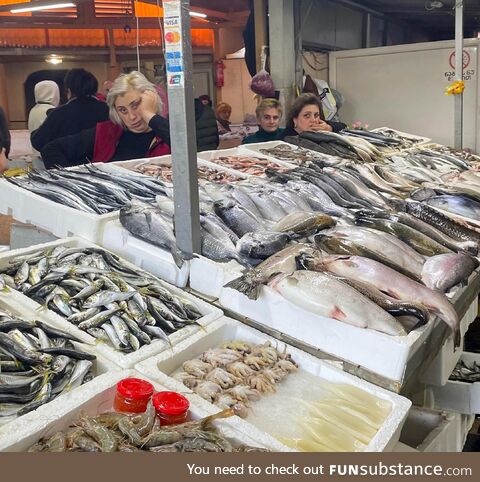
[405, 141]
[37, 364]
[89, 188]
[466, 372]
[345, 420]
[252, 165]
[164, 172]
[94, 290]
[236, 374]
[120, 432]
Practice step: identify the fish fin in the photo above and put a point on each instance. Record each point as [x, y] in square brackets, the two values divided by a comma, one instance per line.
[5, 289]
[246, 285]
[337, 314]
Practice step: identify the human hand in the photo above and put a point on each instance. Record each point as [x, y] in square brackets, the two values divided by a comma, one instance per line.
[322, 126]
[148, 106]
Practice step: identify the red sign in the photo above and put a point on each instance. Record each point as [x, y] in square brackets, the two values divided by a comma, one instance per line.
[466, 60]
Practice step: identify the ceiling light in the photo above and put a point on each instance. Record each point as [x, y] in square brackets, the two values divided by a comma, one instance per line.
[44, 6]
[198, 14]
[54, 60]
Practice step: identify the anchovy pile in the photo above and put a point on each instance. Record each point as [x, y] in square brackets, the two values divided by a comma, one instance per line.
[37, 363]
[466, 372]
[89, 188]
[95, 291]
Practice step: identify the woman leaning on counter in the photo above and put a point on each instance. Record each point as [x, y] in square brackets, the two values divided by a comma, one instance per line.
[135, 129]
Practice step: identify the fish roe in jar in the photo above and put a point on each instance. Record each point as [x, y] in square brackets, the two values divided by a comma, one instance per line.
[172, 407]
[132, 395]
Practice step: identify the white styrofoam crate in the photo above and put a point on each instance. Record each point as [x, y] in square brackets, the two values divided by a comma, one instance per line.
[442, 365]
[161, 366]
[60, 220]
[427, 430]
[151, 258]
[167, 160]
[243, 150]
[255, 149]
[100, 367]
[380, 353]
[420, 140]
[457, 396]
[94, 399]
[209, 312]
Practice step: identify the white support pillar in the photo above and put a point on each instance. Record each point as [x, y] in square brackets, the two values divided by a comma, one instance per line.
[458, 114]
[283, 48]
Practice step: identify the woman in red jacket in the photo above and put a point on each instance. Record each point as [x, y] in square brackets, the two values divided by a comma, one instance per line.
[135, 129]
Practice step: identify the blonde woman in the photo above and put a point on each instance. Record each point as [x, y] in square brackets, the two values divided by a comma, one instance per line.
[135, 129]
[269, 113]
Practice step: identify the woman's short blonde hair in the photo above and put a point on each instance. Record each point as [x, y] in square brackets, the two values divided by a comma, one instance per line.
[268, 104]
[124, 83]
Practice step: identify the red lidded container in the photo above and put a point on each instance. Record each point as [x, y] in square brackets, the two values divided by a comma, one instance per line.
[172, 408]
[132, 395]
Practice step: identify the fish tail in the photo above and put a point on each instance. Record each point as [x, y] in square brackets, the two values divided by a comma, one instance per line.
[247, 285]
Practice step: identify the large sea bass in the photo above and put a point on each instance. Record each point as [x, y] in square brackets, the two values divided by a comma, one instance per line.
[388, 281]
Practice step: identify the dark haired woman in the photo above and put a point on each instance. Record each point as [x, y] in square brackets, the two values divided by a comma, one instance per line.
[305, 116]
[82, 111]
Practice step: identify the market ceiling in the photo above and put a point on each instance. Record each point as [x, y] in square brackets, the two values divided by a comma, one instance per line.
[434, 17]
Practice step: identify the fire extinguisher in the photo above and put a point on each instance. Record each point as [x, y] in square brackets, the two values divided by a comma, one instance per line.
[219, 76]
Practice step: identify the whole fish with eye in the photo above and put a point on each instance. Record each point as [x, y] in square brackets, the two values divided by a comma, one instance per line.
[117, 293]
[388, 281]
[37, 363]
[325, 295]
[283, 262]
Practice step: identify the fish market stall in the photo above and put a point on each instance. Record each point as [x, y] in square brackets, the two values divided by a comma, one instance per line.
[234, 365]
[125, 313]
[88, 422]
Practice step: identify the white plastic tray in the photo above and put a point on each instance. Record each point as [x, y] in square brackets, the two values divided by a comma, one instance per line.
[459, 397]
[160, 366]
[100, 367]
[60, 220]
[96, 397]
[209, 312]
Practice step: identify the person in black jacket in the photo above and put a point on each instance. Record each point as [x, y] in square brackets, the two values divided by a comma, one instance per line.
[305, 115]
[4, 141]
[82, 111]
[206, 127]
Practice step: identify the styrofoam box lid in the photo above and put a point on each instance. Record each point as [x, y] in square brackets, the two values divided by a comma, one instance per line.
[210, 313]
[96, 397]
[160, 366]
